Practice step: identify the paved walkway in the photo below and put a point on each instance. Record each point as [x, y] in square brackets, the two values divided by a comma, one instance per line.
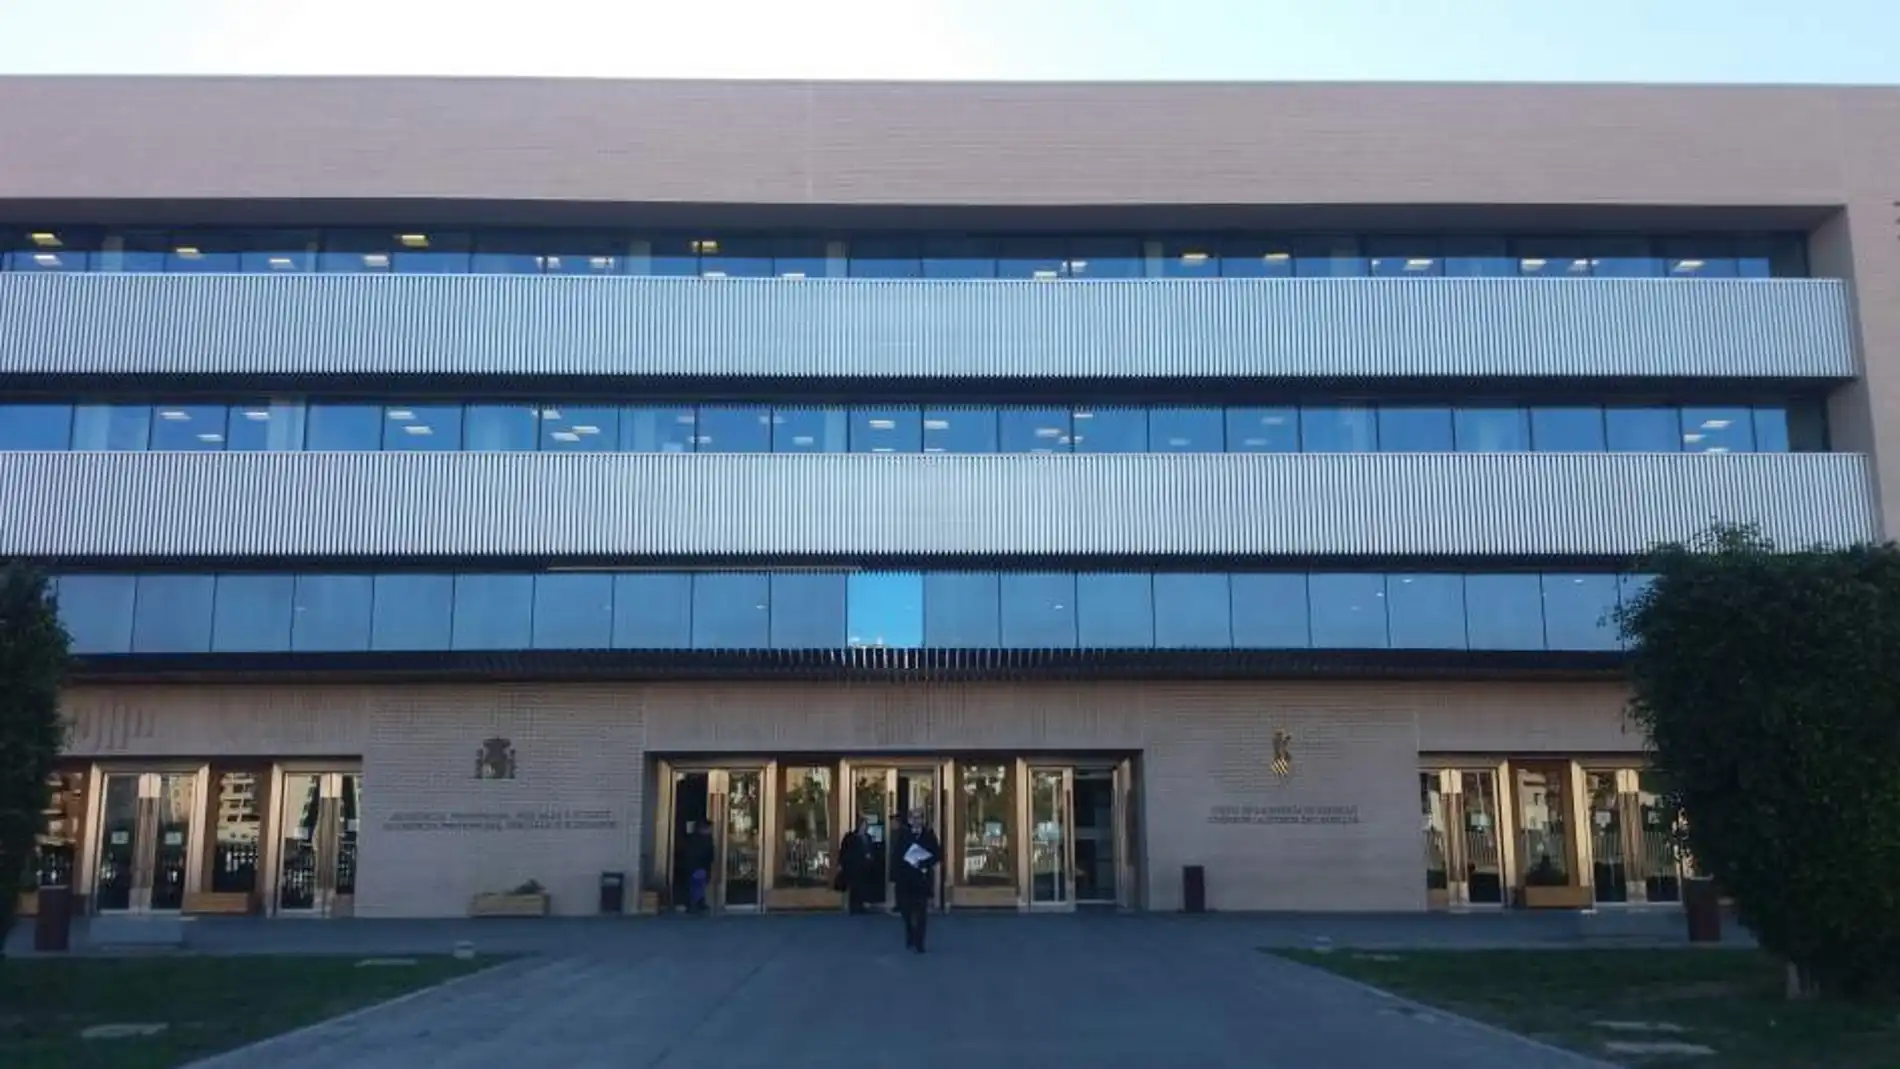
[994, 992]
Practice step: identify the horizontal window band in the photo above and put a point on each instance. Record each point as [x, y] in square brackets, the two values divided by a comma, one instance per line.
[841, 564]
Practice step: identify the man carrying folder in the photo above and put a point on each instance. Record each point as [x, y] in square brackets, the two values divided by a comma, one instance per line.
[914, 858]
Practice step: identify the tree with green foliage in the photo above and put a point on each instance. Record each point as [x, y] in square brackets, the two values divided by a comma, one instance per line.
[1768, 684]
[33, 655]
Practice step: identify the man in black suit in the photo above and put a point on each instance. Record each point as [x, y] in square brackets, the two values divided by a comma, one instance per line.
[915, 875]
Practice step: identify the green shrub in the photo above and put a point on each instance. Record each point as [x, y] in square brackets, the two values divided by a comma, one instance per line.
[33, 653]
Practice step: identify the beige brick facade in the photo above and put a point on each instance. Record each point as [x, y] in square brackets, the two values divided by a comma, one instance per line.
[582, 758]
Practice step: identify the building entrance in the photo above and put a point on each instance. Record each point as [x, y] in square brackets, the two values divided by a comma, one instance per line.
[147, 826]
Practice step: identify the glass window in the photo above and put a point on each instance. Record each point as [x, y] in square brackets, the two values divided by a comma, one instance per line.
[493, 612]
[332, 612]
[886, 430]
[137, 251]
[1033, 430]
[422, 428]
[508, 252]
[1623, 257]
[1415, 430]
[1504, 612]
[1337, 430]
[886, 258]
[188, 428]
[1629, 588]
[97, 611]
[278, 252]
[413, 612]
[735, 257]
[1104, 258]
[731, 611]
[1256, 256]
[653, 611]
[51, 249]
[1807, 426]
[1771, 429]
[1038, 258]
[661, 429]
[1186, 430]
[36, 427]
[274, 426]
[946, 256]
[209, 252]
[1110, 430]
[668, 255]
[1263, 430]
[409, 252]
[1706, 256]
[1643, 430]
[960, 430]
[1427, 612]
[580, 428]
[1115, 610]
[1038, 610]
[1184, 257]
[118, 428]
[502, 428]
[1405, 256]
[1567, 430]
[735, 429]
[533, 252]
[343, 428]
[1718, 430]
[808, 430]
[962, 610]
[1348, 610]
[1328, 255]
[1771, 256]
[809, 611]
[574, 611]
[1552, 258]
[1479, 256]
[253, 613]
[886, 610]
[1192, 611]
[808, 257]
[1579, 611]
[1270, 611]
[173, 614]
[1492, 430]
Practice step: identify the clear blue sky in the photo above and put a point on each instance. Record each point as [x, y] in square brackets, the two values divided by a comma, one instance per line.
[1476, 40]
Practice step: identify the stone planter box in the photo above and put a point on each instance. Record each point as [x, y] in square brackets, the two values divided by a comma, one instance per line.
[1558, 898]
[508, 905]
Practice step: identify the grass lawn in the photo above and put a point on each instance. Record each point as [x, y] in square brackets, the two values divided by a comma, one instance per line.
[208, 1004]
[1730, 1000]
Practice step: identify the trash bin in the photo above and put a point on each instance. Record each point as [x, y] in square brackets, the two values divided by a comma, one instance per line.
[53, 927]
[1702, 906]
[1194, 888]
[613, 892]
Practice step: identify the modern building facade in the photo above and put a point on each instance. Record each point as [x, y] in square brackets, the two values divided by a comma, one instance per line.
[456, 484]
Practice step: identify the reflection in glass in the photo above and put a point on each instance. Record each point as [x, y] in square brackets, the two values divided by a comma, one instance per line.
[1567, 430]
[1718, 430]
[1427, 612]
[1348, 610]
[502, 428]
[1433, 806]
[343, 428]
[1643, 430]
[1191, 611]
[807, 837]
[253, 613]
[188, 428]
[1337, 430]
[171, 848]
[275, 426]
[35, 426]
[574, 611]
[962, 610]
[412, 612]
[1263, 430]
[745, 837]
[1483, 850]
[118, 844]
[422, 428]
[493, 612]
[960, 429]
[332, 612]
[1270, 611]
[1504, 612]
[580, 428]
[1115, 610]
[1186, 430]
[1492, 430]
[808, 610]
[1579, 612]
[1543, 826]
[1038, 610]
[301, 809]
[1609, 861]
[173, 614]
[987, 806]
[1049, 836]
[116, 428]
[653, 611]
[808, 430]
[1109, 430]
[1033, 430]
[658, 429]
[97, 611]
[1405, 429]
[734, 429]
[897, 429]
[731, 611]
[886, 610]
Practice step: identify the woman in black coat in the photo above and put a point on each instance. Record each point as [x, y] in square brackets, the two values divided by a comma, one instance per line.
[860, 867]
[915, 882]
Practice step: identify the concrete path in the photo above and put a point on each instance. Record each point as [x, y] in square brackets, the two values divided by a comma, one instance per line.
[994, 992]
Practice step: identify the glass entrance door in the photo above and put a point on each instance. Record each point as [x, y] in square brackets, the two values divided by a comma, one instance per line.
[737, 804]
[146, 832]
[1097, 857]
[318, 819]
[883, 796]
[1051, 838]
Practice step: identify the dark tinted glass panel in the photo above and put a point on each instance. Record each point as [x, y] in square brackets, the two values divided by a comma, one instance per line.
[119, 428]
[960, 430]
[207, 252]
[1405, 256]
[142, 251]
[279, 252]
[1623, 257]
[809, 611]
[422, 428]
[1186, 430]
[253, 613]
[1034, 430]
[1643, 430]
[886, 430]
[1718, 430]
[97, 611]
[959, 257]
[885, 610]
[1492, 430]
[662, 429]
[1263, 430]
[1629, 589]
[962, 610]
[1771, 429]
[36, 426]
[413, 612]
[1578, 612]
[1104, 258]
[809, 430]
[409, 252]
[265, 427]
[574, 612]
[805, 257]
[1270, 611]
[344, 428]
[1115, 610]
[188, 428]
[731, 611]
[735, 429]
[493, 612]
[173, 614]
[1504, 612]
[1567, 430]
[1711, 256]
[666, 255]
[501, 428]
[1478, 256]
[1192, 611]
[1328, 256]
[735, 257]
[1038, 258]
[1348, 610]
[1110, 430]
[1186, 258]
[1337, 430]
[1427, 612]
[332, 612]
[1415, 430]
[61, 249]
[580, 428]
[1553, 258]
[1256, 257]
[1771, 256]
[653, 611]
[886, 258]
[1038, 610]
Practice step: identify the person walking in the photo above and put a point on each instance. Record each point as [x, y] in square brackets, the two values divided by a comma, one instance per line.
[860, 873]
[914, 858]
[696, 855]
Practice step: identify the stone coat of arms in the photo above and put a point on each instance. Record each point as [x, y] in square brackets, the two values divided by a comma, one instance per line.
[495, 760]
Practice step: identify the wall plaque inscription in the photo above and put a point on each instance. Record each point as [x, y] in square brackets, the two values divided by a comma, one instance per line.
[516, 820]
[1283, 814]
